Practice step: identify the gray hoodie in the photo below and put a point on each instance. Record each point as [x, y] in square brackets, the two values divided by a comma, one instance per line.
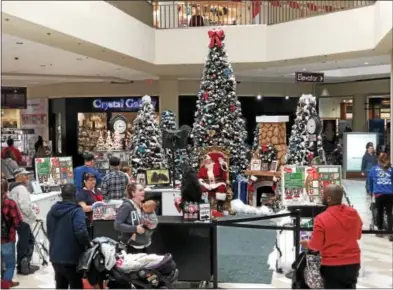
[8, 166]
[20, 194]
[128, 218]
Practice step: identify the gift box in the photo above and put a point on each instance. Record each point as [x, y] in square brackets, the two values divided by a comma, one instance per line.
[239, 189]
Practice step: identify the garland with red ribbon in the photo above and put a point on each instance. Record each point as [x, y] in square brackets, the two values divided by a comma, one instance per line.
[216, 37]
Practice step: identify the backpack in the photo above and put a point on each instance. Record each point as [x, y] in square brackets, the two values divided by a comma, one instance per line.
[5, 228]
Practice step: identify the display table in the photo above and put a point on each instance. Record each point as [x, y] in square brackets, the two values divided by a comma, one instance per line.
[45, 201]
[166, 197]
[190, 244]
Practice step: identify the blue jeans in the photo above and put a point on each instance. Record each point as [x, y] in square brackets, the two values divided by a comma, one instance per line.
[8, 258]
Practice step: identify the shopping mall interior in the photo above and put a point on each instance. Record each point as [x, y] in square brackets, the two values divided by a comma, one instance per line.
[243, 78]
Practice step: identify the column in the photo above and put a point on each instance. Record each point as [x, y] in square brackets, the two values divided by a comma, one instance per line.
[391, 110]
[359, 113]
[169, 95]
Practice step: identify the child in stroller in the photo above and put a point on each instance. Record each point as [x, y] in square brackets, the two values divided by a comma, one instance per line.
[107, 261]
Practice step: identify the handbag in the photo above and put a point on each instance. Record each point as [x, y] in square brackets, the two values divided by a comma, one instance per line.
[312, 273]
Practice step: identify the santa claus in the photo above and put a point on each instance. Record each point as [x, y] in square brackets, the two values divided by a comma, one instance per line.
[213, 176]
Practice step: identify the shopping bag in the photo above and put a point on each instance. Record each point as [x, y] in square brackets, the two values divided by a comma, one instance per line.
[87, 285]
[312, 273]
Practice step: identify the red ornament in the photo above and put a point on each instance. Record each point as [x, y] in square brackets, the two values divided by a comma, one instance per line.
[213, 76]
[205, 96]
[216, 36]
[264, 148]
[232, 108]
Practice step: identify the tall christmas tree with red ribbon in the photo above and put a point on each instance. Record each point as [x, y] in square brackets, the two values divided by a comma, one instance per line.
[218, 116]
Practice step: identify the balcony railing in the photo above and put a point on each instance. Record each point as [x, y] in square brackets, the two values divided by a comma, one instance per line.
[179, 14]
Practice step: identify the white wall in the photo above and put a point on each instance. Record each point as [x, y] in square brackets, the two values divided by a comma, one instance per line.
[330, 107]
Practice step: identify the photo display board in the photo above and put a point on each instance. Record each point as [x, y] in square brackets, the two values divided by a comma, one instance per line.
[302, 185]
[54, 170]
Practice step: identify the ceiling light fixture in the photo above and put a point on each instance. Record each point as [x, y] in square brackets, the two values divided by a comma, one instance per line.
[366, 63]
[7, 19]
[48, 33]
[287, 97]
[19, 43]
[16, 58]
[259, 97]
[304, 69]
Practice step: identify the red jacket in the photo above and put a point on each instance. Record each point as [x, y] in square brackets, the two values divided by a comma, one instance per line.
[335, 235]
[15, 151]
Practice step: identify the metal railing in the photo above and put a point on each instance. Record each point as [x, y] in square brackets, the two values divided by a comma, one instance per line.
[177, 14]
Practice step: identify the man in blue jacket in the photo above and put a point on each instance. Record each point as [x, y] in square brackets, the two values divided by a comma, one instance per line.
[88, 167]
[68, 238]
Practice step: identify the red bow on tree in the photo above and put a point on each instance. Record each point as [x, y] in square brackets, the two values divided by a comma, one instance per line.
[216, 36]
[264, 148]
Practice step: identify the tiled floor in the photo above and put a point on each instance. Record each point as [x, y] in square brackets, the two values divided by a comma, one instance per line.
[376, 256]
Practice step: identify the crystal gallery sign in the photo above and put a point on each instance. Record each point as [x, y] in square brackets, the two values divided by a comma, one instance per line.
[124, 104]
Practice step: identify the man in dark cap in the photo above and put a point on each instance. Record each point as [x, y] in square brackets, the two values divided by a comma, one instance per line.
[114, 184]
[335, 236]
[68, 238]
[88, 167]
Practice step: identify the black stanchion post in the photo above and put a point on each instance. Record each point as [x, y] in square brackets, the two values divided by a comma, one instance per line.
[297, 233]
[215, 255]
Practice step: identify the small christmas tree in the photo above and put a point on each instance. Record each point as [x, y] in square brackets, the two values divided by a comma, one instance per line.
[100, 144]
[108, 143]
[117, 142]
[301, 148]
[146, 143]
[255, 143]
[218, 116]
[168, 122]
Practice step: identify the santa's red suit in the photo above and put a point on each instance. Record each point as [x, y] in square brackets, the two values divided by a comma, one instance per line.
[213, 178]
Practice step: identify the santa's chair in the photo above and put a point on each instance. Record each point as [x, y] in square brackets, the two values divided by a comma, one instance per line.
[220, 200]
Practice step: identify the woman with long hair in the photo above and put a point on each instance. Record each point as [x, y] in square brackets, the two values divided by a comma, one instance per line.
[129, 220]
[380, 185]
[368, 161]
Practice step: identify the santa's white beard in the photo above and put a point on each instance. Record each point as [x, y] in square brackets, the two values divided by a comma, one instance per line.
[210, 174]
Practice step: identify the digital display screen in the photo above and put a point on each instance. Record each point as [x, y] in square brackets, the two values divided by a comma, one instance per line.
[13, 98]
[355, 149]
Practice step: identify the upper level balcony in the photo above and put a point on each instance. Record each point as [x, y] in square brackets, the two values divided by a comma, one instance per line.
[180, 14]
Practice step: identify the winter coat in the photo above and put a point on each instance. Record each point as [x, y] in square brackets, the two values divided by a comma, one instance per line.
[368, 161]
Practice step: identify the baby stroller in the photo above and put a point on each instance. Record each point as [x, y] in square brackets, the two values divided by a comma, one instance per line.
[107, 262]
[307, 274]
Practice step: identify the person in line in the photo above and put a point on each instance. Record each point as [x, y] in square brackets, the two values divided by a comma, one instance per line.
[129, 221]
[68, 238]
[88, 167]
[88, 196]
[197, 19]
[335, 236]
[380, 185]
[8, 165]
[25, 247]
[11, 148]
[39, 143]
[114, 184]
[10, 221]
[369, 160]
[128, 171]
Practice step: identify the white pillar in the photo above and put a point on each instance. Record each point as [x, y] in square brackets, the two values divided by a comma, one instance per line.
[169, 95]
[359, 113]
[391, 109]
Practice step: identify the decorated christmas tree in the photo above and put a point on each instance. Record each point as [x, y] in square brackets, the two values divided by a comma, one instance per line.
[255, 142]
[146, 143]
[108, 142]
[100, 144]
[168, 122]
[218, 116]
[117, 142]
[301, 148]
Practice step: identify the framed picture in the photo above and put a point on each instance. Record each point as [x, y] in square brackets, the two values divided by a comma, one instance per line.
[141, 178]
[274, 166]
[157, 177]
[255, 164]
[265, 166]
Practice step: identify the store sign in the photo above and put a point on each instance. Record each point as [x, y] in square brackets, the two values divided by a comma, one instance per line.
[127, 104]
[309, 77]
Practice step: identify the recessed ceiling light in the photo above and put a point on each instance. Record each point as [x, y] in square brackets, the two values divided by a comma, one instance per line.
[304, 69]
[259, 97]
[19, 43]
[48, 33]
[7, 19]
[366, 63]
[16, 58]
[287, 97]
